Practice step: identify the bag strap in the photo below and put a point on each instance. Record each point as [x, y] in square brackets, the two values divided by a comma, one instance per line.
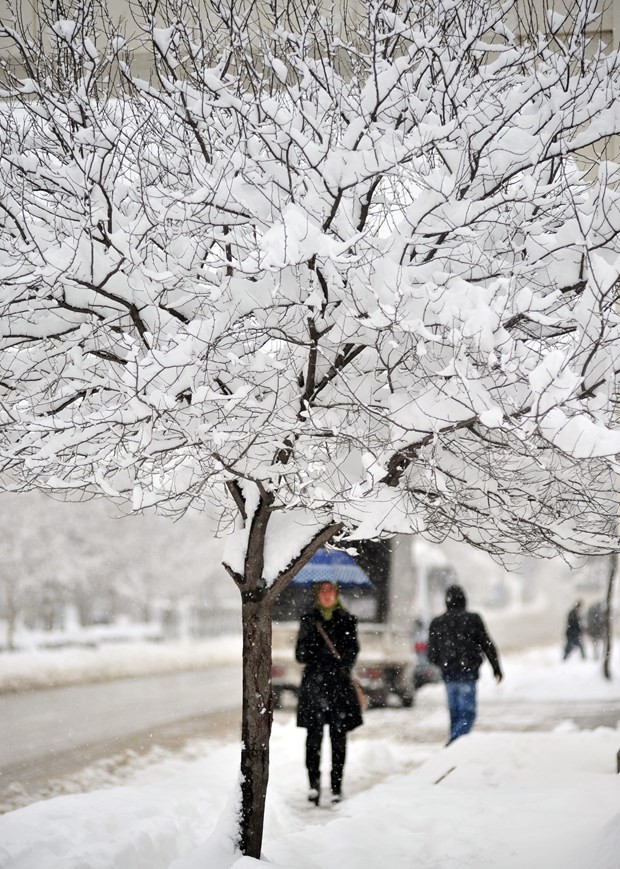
[330, 645]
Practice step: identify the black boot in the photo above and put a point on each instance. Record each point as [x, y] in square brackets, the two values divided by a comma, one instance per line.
[339, 751]
[336, 781]
[314, 790]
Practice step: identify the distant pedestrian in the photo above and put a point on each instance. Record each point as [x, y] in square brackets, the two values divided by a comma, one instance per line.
[328, 646]
[596, 626]
[457, 643]
[574, 630]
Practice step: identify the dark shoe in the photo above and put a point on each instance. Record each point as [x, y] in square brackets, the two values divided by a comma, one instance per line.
[336, 798]
[314, 796]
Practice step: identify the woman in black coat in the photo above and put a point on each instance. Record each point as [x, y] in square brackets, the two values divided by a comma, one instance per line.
[326, 695]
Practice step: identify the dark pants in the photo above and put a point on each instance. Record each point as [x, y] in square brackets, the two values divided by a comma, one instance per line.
[314, 739]
[462, 707]
[573, 643]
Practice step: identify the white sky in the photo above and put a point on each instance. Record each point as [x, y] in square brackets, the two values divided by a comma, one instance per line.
[508, 800]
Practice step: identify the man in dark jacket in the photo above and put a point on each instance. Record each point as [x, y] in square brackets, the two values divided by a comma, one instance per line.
[326, 694]
[457, 641]
[574, 630]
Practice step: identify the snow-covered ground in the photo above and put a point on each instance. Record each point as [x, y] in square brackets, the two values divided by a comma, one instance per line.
[496, 799]
[47, 668]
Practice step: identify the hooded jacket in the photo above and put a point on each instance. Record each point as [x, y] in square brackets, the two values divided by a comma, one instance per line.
[574, 627]
[458, 641]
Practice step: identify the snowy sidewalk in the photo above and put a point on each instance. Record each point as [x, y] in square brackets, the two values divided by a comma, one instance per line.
[492, 800]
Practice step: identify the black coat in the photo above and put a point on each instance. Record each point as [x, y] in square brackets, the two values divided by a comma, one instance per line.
[457, 641]
[573, 625]
[326, 695]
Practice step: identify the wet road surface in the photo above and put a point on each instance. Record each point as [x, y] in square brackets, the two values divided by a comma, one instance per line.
[53, 733]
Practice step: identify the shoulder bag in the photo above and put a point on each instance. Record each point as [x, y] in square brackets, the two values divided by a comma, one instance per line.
[359, 691]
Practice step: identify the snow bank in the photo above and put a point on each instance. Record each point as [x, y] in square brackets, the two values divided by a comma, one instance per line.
[491, 801]
[22, 671]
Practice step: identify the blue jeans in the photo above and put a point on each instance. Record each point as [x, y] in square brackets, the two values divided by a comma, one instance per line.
[573, 643]
[462, 707]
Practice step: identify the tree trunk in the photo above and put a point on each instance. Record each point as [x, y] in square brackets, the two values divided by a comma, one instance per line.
[609, 618]
[256, 719]
[257, 711]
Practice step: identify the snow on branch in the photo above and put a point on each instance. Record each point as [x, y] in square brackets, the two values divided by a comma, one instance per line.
[365, 264]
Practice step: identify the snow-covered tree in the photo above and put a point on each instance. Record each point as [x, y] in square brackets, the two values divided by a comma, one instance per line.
[33, 586]
[314, 275]
[91, 557]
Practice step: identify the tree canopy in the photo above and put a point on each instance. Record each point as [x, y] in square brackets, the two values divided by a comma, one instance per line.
[314, 273]
[373, 278]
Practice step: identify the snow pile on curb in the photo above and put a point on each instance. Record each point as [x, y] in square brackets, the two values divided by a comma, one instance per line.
[24, 671]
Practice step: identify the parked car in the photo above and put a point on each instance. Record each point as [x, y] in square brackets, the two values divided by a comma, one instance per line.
[425, 672]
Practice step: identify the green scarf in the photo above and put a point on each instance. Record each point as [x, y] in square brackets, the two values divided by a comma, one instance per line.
[327, 611]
